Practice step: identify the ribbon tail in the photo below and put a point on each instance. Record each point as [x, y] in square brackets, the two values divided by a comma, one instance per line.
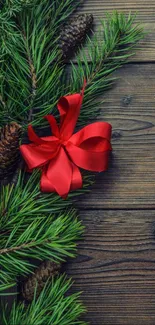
[34, 137]
[76, 182]
[45, 183]
[53, 124]
[57, 177]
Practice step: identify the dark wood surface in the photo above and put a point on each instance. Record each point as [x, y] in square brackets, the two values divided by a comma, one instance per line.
[115, 267]
[130, 108]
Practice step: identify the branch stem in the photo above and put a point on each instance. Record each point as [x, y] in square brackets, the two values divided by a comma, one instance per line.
[101, 62]
[16, 248]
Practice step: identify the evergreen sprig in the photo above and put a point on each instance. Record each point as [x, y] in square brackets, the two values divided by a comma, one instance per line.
[31, 44]
[107, 51]
[44, 238]
[26, 198]
[30, 229]
[52, 306]
[33, 91]
[8, 30]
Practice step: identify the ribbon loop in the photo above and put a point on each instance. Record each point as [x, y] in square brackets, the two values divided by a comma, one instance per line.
[69, 108]
[33, 136]
[53, 124]
[60, 155]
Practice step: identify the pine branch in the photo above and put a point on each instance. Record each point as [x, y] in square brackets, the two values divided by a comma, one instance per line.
[20, 92]
[33, 90]
[30, 227]
[8, 31]
[54, 239]
[53, 306]
[118, 38]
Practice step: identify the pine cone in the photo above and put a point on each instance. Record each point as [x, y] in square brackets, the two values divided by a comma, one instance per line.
[74, 33]
[45, 271]
[9, 149]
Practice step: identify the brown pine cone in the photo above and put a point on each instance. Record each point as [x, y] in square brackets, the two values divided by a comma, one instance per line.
[9, 149]
[74, 33]
[45, 271]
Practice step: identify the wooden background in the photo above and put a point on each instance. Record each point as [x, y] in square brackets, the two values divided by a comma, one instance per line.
[115, 267]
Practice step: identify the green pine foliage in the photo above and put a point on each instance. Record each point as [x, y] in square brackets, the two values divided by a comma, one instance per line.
[52, 306]
[107, 51]
[35, 225]
[33, 91]
[29, 41]
[31, 228]
[12, 7]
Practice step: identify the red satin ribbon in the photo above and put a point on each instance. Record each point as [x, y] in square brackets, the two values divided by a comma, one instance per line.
[61, 154]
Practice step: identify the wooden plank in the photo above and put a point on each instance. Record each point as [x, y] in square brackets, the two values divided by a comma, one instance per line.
[115, 267]
[130, 108]
[145, 15]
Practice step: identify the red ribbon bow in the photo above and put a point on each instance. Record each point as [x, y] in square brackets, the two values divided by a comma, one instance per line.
[60, 155]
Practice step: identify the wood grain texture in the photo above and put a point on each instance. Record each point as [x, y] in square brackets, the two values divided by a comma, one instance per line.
[145, 15]
[130, 108]
[115, 267]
